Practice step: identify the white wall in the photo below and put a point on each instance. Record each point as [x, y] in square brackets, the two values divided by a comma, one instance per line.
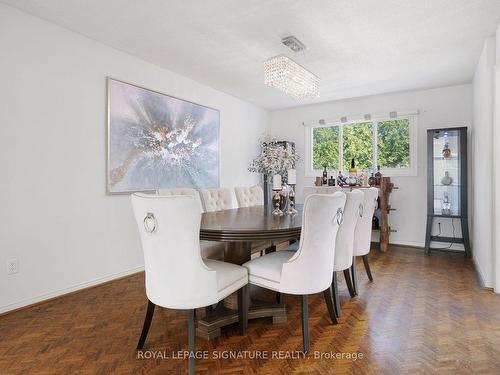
[483, 224]
[54, 214]
[442, 107]
[496, 172]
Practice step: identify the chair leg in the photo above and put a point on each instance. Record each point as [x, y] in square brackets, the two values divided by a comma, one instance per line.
[354, 272]
[348, 281]
[270, 249]
[335, 291]
[147, 324]
[191, 339]
[243, 301]
[367, 267]
[305, 324]
[327, 293]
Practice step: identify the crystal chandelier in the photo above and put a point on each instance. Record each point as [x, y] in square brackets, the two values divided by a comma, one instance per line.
[285, 74]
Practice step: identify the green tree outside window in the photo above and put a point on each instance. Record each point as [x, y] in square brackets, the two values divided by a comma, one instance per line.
[326, 147]
[392, 142]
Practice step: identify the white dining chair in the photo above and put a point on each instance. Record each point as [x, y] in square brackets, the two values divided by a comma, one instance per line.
[308, 190]
[309, 269]
[363, 234]
[216, 199]
[176, 275]
[249, 196]
[344, 244]
[209, 249]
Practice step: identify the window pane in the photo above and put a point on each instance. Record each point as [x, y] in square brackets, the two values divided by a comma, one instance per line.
[358, 145]
[394, 143]
[326, 147]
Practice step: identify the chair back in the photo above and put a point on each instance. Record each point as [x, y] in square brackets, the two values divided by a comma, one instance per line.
[249, 196]
[345, 237]
[310, 270]
[182, 191]
[216, 199]
[169, 228]
[308, 190]
[363, 231]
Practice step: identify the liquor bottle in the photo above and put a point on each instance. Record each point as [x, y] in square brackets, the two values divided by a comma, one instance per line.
[353, 180]
[325, 176]
[378, 176]
[331, 181]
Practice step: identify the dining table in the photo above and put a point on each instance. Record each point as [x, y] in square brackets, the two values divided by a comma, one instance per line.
[239, 228]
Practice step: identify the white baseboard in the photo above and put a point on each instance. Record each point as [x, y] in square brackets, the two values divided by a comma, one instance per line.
[482, 279]
[74, 288]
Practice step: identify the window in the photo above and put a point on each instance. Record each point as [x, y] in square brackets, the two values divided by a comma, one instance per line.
[390, 143]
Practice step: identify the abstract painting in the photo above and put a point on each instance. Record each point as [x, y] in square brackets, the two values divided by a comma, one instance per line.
[158, 141]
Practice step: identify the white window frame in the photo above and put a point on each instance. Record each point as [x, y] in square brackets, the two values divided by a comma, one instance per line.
[390, 172]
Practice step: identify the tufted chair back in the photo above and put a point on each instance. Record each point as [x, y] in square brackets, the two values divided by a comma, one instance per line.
[345, 237]
[169, 228]
[363, 231]
[249, 196]
[311, 267]
[308, 190]
[182, 191]
[216, 199]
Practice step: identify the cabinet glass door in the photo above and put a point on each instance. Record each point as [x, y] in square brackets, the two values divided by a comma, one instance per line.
[446, 159]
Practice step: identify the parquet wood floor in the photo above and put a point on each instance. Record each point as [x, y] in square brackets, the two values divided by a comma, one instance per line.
[422, 315]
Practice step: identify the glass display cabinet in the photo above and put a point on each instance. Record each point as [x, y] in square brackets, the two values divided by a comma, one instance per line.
[447, 183]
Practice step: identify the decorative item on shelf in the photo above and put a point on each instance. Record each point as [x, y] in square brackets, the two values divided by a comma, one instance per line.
[341, 180]
[352, 179]
[447, 179]
[276, 157]
[331, 181]
[446, 148]
[446, 205]
[318, 181]
[325, 176]
[363, 179]
[371, 180]
[378, 176]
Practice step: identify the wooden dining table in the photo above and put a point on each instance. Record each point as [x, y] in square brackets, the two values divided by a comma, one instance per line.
[240, 228]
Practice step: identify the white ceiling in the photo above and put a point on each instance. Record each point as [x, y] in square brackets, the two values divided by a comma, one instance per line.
[356, 47]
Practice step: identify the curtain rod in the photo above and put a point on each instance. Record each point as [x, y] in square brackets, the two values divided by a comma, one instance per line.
[356, 118]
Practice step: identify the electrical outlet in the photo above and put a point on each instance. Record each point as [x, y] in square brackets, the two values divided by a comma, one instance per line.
[12, 266]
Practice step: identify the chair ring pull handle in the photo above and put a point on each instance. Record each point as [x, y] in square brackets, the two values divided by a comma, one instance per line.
[361, 210]
[149, 220]
[340, 216]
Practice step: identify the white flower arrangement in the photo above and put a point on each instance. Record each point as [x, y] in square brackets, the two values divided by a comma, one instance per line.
[273, 159]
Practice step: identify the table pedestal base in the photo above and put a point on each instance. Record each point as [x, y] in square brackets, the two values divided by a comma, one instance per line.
[226, 311]
[209, 327]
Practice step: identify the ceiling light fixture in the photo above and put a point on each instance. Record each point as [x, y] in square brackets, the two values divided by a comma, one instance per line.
[285, 74]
